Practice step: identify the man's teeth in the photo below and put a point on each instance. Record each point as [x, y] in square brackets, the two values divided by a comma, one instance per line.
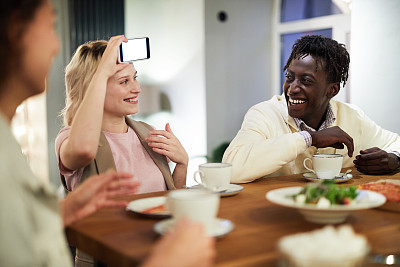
[296, 101]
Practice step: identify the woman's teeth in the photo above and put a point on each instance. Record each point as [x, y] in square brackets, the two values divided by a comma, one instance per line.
[131, 99]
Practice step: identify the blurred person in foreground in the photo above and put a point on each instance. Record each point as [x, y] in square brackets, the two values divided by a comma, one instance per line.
[32, 219]
[277, 135]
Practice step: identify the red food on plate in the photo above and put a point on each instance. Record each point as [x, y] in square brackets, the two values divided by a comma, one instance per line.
[390, 189]
[156, 209]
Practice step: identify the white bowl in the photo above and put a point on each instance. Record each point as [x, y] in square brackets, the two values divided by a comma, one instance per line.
[357, 261]
[328, 247]
[333, 214]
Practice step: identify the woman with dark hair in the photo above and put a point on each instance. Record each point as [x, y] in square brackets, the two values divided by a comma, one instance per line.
[32, 219]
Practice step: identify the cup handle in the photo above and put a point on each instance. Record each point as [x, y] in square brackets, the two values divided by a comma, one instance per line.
[305, 165]
[201, 177]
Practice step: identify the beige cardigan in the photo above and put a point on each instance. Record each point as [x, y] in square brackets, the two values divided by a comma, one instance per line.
[104, 159]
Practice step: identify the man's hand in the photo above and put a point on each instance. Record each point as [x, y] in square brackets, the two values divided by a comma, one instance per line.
[333, 137]
[376, 161]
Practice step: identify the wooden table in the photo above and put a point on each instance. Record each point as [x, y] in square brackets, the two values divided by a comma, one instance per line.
[120, 238]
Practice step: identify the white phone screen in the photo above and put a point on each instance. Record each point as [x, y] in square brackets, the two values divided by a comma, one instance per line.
[135, 49]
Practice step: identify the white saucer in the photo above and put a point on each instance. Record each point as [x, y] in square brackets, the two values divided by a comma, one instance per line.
[222, 227]
[338, 179]
[233, 189]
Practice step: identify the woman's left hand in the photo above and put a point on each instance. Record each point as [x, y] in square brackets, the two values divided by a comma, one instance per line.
[167, 144]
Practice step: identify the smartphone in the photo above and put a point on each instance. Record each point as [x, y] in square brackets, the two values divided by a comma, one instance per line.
[134, 49]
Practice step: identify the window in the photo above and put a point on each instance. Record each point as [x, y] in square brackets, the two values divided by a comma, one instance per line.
[305, 9]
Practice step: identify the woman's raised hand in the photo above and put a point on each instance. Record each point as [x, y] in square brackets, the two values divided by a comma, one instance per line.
[164, 142]
[108, 65]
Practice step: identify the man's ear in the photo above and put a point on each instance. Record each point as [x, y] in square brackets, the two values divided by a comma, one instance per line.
[333, 89]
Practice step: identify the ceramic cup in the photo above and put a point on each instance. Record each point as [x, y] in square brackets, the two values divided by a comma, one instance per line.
[198, 205]
[214, 176]
[325, 166]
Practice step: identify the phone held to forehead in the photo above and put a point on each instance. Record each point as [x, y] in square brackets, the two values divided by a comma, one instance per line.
[134, 49]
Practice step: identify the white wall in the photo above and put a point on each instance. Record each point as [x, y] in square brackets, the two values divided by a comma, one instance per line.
[176, 64]
[237, 64]
[375, 57]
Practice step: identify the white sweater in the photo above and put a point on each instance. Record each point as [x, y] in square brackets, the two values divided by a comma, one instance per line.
[268, 143]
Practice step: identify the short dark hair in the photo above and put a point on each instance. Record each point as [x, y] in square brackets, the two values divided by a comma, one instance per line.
[11, 12]
[333, 56]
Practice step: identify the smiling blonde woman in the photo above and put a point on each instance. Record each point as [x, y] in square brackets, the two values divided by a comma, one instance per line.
[98, 135]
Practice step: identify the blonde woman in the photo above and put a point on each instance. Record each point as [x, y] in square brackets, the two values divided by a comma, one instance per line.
[98, 135]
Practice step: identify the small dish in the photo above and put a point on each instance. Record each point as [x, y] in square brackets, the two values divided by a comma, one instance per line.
[222, 227]
[140, 206]
[233, 189]
[391, 194]
[333, 214]
[343, 177]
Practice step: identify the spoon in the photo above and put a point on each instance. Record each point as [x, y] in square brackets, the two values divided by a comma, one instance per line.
[384, 259]
[347, 174]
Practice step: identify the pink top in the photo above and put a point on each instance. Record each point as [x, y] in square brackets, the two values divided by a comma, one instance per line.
[129, 156]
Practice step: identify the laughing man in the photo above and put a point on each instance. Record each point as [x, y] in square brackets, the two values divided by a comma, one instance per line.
[277, 135]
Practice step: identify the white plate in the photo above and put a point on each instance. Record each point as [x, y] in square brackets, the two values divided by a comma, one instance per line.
[221, 228]
[339, 179]
[233, 189]
[333, 214]
[139, 205]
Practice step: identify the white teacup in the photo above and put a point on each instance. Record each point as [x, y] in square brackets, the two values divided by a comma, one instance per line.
[214, 176]
[198, 205]
[326, 166]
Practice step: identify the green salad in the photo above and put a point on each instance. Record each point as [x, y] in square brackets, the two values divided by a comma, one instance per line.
[326, 193]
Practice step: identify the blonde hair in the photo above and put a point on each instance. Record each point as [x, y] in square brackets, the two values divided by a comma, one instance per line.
[78, 74]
